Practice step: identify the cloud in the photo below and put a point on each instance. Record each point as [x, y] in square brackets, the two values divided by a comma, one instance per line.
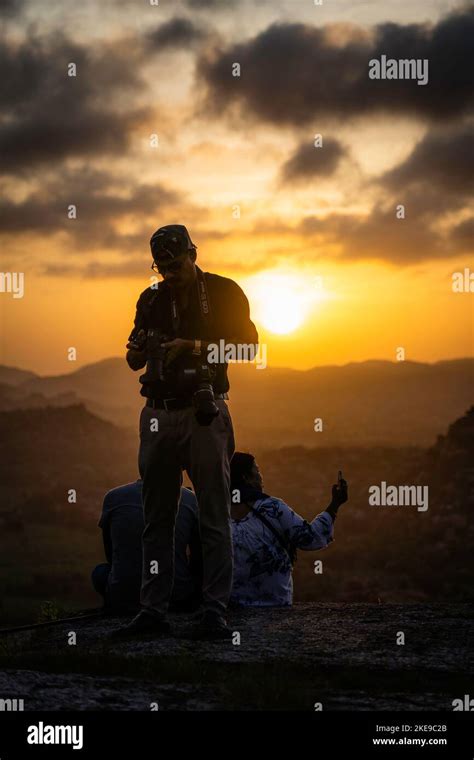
[102, 206]
[308, 161]
[443, 159]
[377, 235]
[463, 234]
[133, 267]
[381, 235]
[214, 5]
[176, 33]
[49, 115]
[294, 73]
[10, 7]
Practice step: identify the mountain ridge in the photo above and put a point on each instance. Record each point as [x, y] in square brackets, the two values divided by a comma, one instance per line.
[119, 361]
[359, 403]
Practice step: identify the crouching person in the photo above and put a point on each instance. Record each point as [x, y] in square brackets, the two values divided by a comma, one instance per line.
[266, 534]
[118, 580]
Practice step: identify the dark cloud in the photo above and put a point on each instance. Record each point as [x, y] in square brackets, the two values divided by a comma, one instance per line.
[309, 161]
[45, 139]
[294, 73]
[10, 7]
[381, 235]
[176, 33]
[100, 207]
[443, 158]
[217, 5]
[463, 234]
[135, 266]
[49, 115]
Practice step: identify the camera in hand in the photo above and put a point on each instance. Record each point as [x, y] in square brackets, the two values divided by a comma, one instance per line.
[195, 381]
[155, 358]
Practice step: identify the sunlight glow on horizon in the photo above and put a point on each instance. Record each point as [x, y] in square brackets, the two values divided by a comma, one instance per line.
[281, 300]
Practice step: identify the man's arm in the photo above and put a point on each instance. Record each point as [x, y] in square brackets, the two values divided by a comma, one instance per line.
[136, 354]
[300, 533]
[237, 328]
[304, 535]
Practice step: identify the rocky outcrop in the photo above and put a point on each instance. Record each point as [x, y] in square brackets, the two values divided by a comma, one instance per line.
[344, 656]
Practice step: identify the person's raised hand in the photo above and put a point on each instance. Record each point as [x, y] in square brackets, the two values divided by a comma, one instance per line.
[340, 493]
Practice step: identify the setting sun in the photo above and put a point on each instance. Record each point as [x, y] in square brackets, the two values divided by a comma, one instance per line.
[282, 301]
[282, 313]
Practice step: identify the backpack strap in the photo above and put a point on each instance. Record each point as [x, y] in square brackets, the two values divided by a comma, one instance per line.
[279, 537]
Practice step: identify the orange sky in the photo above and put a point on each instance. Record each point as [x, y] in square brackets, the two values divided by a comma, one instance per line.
[367, 311]
[309, 232]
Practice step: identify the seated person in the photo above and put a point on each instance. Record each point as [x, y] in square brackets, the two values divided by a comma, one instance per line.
[119, 579]
[266, 534]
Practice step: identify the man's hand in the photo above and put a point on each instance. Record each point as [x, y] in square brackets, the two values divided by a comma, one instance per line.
[176, 347]
[136, 354]
[339, 493]
[135, 359]
[339, 496]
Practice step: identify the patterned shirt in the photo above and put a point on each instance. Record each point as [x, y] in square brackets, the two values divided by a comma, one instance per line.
[262, 566]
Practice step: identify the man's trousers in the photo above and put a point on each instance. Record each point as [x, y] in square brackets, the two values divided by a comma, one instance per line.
[170, 442]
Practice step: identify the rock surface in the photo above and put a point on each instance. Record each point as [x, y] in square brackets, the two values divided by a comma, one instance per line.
[344, 656]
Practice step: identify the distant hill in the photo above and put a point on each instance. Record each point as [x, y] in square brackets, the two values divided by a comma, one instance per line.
[107, 388]
[373, 402]
[14, 397]
[45, 452]
[14, 376]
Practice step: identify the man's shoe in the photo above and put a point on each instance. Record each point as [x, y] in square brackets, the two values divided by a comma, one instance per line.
[144, 624]
[210, 627]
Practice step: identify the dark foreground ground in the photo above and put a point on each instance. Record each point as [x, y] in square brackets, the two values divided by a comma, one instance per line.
[344, 656]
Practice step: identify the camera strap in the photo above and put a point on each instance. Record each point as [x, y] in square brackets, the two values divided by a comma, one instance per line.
[203, 294]
[203, 297]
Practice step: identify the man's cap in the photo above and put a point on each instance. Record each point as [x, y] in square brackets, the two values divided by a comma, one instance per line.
[171, 242]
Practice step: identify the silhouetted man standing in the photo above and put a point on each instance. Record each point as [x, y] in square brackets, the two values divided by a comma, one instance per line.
[185, 423]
